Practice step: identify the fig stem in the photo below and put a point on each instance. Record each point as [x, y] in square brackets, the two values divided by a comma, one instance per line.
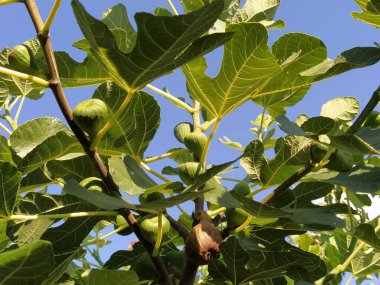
[202, 161]
[206, 125]
[17, 115]
[159, 235]
[63, 216]
[5, 2]
[150, 170]
[51, 16]
[94, 240]
[5, 129]
[179, 103]
[25, 76]
[165, 155]
[243, 225]
[172, 7]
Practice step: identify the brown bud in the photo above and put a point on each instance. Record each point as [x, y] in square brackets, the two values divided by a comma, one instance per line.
[203, 242]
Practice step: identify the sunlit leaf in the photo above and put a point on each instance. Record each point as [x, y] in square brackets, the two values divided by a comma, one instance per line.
[129, 176]
[341, 108]
[370, 14]
[135, 69]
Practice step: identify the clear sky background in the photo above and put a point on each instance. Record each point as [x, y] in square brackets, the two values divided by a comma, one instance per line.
[329, 20]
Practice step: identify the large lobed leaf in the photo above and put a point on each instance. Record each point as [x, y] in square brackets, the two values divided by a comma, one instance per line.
[10, 179]
[371, 12]
[155, 52]
[274, 78]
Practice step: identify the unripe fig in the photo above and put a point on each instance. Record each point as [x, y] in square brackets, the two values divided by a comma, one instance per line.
[21, 58]
[120, 221]
[149, 227]
[317, 152]
[181, 130]
[203, 241]
[242, 188]
[188, 171]
[235, 217]
[91, 115]
[195, 142]
[373, 120]
[340, 161]
[154, 196]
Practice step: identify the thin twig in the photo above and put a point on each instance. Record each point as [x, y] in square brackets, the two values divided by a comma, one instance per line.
[372, 103]
[18, 112]
[181, 230]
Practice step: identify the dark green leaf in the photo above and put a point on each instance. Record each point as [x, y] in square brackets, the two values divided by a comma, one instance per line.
[366, 233]
[125, 257]
[10, 180]
[360, 179]
[28, 265]
[99, 199]
[318, 125]
[111, 277]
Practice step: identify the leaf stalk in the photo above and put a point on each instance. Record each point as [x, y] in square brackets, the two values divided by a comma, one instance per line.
[51, 16]
[179, 103]
[25, 76]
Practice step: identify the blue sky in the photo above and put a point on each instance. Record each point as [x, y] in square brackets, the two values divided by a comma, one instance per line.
[326, 19]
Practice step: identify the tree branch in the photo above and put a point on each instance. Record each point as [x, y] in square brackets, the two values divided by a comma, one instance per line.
[372, 103]
[287, 183]
[56, 86]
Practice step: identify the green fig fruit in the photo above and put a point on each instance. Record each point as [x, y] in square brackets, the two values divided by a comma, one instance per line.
[242, 188]
[373, 120]
[235, 217]
[195, 142]
[150, 197]
[188, 171]
[340, 161]
[120, 221]
[21, 58]
[149, 227]
[181, 130]
[318, 152]
[91, 115]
